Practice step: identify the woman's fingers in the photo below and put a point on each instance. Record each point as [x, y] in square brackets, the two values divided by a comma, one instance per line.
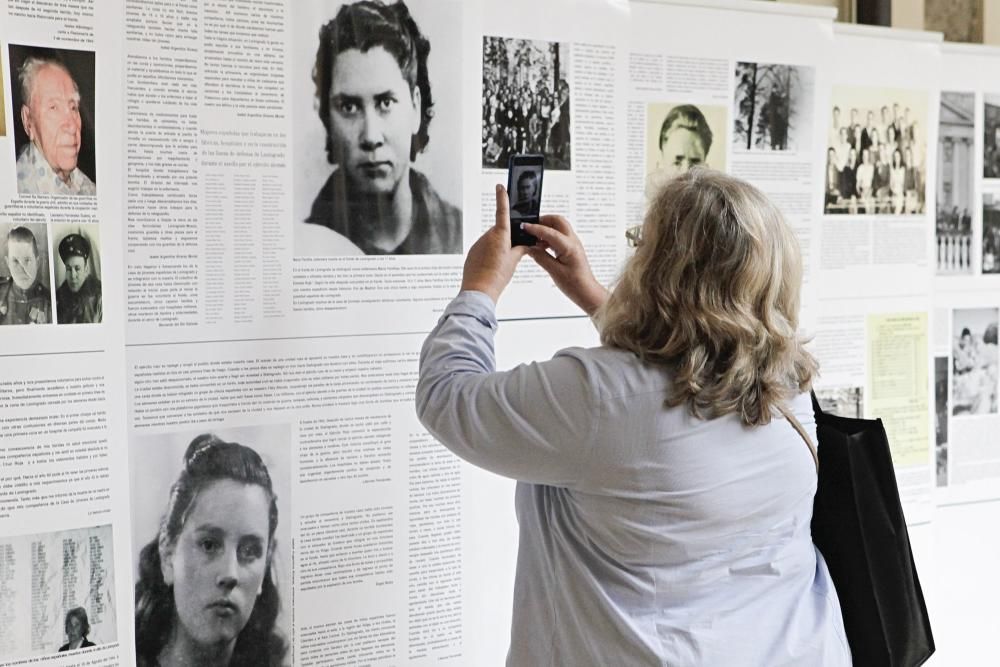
[503, 208]
[557, 222]
[555, 239]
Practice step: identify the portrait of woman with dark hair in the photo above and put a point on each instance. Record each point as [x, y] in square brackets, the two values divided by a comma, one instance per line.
[373, 98]
[77, 629]
[205, 593]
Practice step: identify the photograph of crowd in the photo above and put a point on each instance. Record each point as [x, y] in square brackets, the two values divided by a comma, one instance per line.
[955, 157]
[875, 152]
[991, 233]
[991, 136]
[974, 361]
[772, 107]
[525, 101]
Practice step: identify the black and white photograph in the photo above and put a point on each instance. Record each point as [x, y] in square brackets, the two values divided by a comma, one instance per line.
[52, 100]
[57, 593]
[991, 135]
[842, 401]
[211, 539]
[955, 170]
[875, 153]
[991, 233]
[941, 420]
[76, 260]
[25, 297]
[525, 199]
[526, 97]
[378, 168]
[974, 375]
[681, 135]
[773, 107]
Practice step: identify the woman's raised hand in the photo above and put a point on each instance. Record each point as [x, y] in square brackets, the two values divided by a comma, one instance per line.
[491, 261]
[567, 262]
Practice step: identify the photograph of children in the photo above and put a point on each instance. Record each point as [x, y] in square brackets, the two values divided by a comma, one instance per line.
[974, 374]
[681, 136]
[842, 401]
[57, 594]
[955, 156]
[24, 274]
[875, 152]
[52, 99]
[772, 107]
[941, 419]
[211, 529]
[76, 261]
[991, 233]
[991, 135]
[526, 98]
[376, 90]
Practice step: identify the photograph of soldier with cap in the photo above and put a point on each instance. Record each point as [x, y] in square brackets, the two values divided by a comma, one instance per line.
[372, 90]
[52, 96]
[78, 295]
[24, 292]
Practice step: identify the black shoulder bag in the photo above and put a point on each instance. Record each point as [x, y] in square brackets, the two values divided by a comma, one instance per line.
[859, 528]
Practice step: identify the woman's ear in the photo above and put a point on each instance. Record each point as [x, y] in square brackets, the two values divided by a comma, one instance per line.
[418, 111]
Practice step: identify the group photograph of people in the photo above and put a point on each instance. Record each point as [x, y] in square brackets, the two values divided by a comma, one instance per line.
[526, 97]
[876, 152]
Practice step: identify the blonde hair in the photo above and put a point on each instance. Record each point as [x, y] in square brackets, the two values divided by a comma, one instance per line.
[712, 293]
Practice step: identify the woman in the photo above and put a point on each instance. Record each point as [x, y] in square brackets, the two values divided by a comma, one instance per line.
[911, 181]
[849, 182]
[864, 179]
[897, 181]
[663, 504]
[77, 628]
[205, 594]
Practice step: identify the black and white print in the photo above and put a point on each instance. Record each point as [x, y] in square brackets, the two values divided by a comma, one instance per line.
[526, 101]
[991, 135]
[773, 107]
[974, 361]
[955, 206]
[875, 152]
[842, 401]
[991, 233]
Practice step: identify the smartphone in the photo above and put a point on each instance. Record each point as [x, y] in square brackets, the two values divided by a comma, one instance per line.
[524, 191]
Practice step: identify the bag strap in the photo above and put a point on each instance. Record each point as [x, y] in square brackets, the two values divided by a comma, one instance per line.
[805, 436]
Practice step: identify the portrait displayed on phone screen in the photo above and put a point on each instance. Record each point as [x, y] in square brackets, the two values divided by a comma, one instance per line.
[524, 189]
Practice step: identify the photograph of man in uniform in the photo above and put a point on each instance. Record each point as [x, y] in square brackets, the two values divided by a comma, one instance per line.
[78, 298]
[527, 203]
[48, 101]
[24, 296]
[374, 100]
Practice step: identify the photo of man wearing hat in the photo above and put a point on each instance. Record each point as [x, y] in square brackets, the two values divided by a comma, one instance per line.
[78, 298]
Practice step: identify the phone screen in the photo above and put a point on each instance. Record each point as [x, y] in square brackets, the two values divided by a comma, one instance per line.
[524, 191]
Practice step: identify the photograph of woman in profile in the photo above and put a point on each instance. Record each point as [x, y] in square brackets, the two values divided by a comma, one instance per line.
[663, 500]
[205, 594]
[77, 629]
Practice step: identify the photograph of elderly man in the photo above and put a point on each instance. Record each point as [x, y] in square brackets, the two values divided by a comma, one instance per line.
[52, 95]
[373, 97]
